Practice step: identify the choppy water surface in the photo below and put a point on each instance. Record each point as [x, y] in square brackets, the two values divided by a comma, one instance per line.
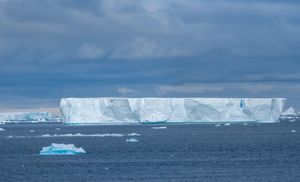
[255, 152]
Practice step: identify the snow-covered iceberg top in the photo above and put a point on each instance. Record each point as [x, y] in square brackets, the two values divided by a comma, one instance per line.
[25, 117]
[158, 110]
[61, 149]
[290, 112]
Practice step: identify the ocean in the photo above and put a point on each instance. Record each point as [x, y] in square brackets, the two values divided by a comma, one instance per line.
[188, 152]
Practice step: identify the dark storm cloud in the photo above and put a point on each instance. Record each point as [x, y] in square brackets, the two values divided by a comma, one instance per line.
[59, 48]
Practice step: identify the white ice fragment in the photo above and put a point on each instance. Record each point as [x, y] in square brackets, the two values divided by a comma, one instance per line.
[31, 131]
[61, 149]
[293, 131]
[217, 125]
[290, 112]
[58, 128]
[1, 129]
[133, 134]
[74, 135]
[131, 140]
[245, 124]
[84, 135]
[227, 124]
[159, 127]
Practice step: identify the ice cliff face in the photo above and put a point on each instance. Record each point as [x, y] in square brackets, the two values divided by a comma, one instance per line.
[25, 117]
[153, 110]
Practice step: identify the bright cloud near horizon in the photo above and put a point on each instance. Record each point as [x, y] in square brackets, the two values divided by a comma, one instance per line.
[196, 48]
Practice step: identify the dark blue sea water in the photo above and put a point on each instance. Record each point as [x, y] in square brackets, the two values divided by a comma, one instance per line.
[257, 152]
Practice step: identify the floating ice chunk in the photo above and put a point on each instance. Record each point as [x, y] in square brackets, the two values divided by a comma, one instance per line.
[133, 134]
[245, 124]
[159, 127]
[84, 135]
[61, 149]
[293, 131]
[1, 129]
[77, 135]
[58, 128]
[227, 124]
[31, 131]
[290, 112]
[131, 140]
[217, 125]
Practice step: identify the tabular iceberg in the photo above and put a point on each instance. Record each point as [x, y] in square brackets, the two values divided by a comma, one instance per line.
[61, 149]
[25, 117]
[157, 110]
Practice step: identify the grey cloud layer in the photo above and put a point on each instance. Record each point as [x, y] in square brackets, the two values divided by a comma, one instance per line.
[54, 48]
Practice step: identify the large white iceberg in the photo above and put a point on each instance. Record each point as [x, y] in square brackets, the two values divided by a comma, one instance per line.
[61, 149]
[157, 110]
[26, 117]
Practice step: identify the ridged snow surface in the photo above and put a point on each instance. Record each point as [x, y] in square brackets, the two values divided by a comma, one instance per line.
[25, 116]
[154, 110]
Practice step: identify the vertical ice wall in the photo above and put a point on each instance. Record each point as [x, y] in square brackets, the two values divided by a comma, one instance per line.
[152, 110]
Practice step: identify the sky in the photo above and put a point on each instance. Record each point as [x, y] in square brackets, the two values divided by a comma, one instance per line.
[51, 49]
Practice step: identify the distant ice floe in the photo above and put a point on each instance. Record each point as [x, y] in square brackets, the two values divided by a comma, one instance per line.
[217, 125]
[77, 135]
[131, 140]
[159, 127]
[61, 149]
[293, 131]
[31, 131]
[85, 135]
[227, 124]
[289, 112]
[133, 134]
[1, 129]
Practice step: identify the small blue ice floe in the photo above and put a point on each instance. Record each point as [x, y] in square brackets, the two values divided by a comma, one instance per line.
[159, 127]
[131, 140]
[61, 149]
